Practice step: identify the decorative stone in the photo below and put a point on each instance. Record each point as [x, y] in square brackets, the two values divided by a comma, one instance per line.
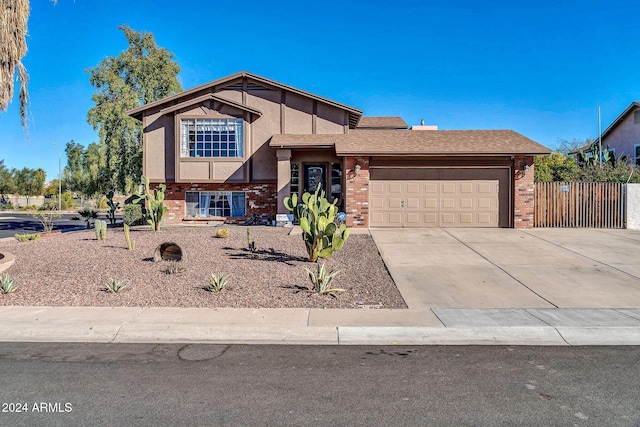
[168, 251]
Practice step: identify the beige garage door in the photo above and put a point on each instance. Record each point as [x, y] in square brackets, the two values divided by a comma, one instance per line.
[434, 203]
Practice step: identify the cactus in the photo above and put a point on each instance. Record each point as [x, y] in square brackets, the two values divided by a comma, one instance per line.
[112, 207]
[131, 244]
[155, 203]
[101, 229]
[222, 233]
[316, 217]
[250, 242]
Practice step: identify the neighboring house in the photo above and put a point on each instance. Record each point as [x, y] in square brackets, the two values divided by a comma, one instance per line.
[622, 137]
[238, 146]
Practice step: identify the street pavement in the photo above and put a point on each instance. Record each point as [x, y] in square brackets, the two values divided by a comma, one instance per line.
[562, 287]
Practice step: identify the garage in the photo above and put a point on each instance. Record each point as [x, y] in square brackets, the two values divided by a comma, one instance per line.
[439, 197]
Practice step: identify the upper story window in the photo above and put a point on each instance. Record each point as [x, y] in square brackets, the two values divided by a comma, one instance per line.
[211, 138]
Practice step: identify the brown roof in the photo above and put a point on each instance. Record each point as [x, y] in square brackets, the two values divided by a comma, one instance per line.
[417, 142]
[354, 113]
[382, 122]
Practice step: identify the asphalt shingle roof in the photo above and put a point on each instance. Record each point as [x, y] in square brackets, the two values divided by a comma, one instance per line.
[382, 122]
[417, 142]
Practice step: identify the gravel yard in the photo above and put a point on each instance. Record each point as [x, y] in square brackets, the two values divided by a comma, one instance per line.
[72, 269]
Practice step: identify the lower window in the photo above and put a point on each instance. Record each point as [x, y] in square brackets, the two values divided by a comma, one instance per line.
[215, 203]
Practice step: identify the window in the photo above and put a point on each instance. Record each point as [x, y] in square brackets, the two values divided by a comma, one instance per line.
[211, 138]
[637, 154]
[215, 203]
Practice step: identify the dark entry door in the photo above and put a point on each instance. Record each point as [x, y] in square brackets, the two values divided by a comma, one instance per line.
[314, 175]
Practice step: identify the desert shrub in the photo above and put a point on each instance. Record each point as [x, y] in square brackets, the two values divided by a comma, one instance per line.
[222, 233]
[46, 219]
[173, 268]
[26, 237]
[132, 214]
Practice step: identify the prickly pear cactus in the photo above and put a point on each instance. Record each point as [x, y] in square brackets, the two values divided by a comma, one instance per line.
[322, 237]
[155, 203]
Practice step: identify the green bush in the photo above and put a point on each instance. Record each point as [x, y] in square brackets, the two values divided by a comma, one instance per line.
[132, 214]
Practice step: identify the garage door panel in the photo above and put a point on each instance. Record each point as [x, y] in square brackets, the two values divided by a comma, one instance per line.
[447, 203]
[466, 203]
[377, 202]
[430, 203]
[413, 203]
[412, 219]
[394, 218]
[395, 203]
[413, 187]
[394, 188]
[466, 218]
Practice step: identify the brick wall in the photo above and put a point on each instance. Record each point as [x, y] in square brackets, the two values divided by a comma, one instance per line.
[357, 192]
[260, 198]
[523, 200]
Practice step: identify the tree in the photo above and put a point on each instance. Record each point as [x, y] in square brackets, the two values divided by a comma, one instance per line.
[29, 182]
[75, 174]
[7, 184]
[141, 74]
[13, 33]
[555, 167]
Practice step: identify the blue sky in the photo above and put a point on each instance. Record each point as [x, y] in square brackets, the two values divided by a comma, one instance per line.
[540, 68]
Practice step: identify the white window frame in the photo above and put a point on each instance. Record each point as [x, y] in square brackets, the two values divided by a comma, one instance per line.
[211, 138]
[219, 204]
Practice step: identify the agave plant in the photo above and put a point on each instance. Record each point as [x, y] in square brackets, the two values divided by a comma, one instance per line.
[7, 285]
[321, 280]
[217, 283]
[115, 286]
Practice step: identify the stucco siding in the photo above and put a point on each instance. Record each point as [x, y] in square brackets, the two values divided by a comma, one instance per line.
[194, 170]
[298, 115]
[633, 206]
[624, 137]
[155, 149]
[264, 159]
[330, 119]
[232, 95]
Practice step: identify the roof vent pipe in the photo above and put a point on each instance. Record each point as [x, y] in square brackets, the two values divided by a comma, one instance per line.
[421, 122]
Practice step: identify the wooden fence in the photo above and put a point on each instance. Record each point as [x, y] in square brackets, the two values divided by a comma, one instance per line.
[579, 204]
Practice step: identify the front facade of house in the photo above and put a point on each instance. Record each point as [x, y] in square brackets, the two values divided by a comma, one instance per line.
[238, 146]
[622, 136]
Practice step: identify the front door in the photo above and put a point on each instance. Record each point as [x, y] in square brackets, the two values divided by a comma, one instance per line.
[314, 175]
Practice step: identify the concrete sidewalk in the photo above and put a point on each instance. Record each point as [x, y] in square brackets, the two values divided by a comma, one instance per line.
[462, 286]
[322, 327]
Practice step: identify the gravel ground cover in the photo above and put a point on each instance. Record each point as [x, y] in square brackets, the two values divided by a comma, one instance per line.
[72, 269]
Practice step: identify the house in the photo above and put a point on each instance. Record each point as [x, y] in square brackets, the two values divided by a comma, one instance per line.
[239, 145]
[622, 137]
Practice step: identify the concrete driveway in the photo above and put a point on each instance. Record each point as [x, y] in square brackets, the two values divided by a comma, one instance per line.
[508, 268]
